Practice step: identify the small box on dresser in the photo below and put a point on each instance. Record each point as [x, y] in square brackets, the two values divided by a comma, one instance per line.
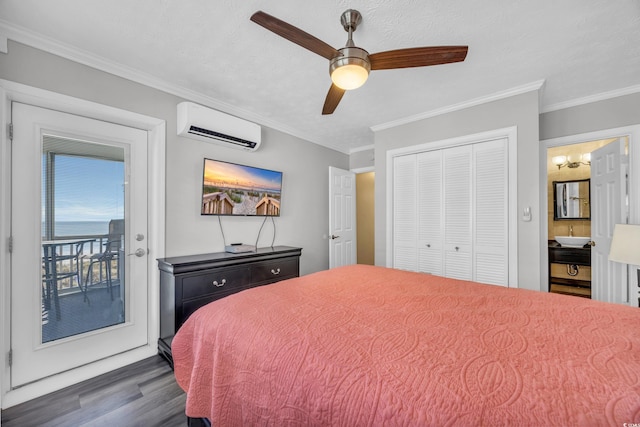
[190, 282]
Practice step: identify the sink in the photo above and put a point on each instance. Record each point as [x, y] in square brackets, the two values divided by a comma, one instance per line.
[572, 241]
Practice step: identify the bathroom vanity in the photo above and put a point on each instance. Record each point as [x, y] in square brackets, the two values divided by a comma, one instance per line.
[570, 270]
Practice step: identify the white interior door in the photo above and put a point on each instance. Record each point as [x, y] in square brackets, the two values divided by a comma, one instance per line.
[404, 213]
[458, 215]
[491, 212]
[87, 154]
[608, 181]
[342, 217]
[430, 212]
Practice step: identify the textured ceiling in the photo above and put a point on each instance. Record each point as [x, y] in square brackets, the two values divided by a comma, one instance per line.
[580, 48]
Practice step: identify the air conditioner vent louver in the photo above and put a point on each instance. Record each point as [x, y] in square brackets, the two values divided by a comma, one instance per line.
[205, 124]
[221, 137]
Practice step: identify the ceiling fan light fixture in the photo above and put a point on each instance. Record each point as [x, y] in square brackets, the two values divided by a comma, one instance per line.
[351, 69]
[350, 76]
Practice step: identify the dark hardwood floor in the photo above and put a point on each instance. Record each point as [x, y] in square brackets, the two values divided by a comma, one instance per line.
[142, 394]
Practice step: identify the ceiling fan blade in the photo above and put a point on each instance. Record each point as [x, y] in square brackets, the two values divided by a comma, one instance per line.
[333, 99]
[417, 57]
[294, 34]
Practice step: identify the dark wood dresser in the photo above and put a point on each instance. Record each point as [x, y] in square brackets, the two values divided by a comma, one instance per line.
[189, 282]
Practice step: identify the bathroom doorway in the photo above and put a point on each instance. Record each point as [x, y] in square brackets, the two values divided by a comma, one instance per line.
[572, 208]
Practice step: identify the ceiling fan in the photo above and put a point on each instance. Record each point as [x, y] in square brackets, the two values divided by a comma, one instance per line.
[349, 66]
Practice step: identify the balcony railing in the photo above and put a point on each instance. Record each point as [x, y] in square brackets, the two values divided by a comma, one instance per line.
[73, 261]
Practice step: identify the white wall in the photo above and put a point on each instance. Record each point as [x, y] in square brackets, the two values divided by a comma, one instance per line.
[606, 114]
[304, 217]
[520, 111]
[362, 159]
[304, 210]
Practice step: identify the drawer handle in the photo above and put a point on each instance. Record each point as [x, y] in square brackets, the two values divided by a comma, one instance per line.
[215, 282]
[275, 271]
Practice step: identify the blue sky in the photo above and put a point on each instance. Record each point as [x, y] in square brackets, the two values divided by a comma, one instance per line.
[88, 189]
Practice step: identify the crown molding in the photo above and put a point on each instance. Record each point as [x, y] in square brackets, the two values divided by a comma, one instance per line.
[9, 31]
[537, 85]
[591, 98]
[362, 148]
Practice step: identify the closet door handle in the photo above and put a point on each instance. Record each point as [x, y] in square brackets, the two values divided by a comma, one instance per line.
[428, 245]
[457, 248]
[276, 272]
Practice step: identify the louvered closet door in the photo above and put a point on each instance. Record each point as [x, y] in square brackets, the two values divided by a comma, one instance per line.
[404, 213]
[457, 198]
[491, 230]
[430, 233]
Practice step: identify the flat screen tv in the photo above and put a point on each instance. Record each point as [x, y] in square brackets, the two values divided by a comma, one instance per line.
[233, 189]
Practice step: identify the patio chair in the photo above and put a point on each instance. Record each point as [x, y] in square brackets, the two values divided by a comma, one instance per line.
[53, 258]
[106, 258]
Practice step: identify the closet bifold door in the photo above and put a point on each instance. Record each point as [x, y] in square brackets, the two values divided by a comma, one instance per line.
[450, 212]
[429, 195]
[491, 224]
[404, 213]
[457, 202]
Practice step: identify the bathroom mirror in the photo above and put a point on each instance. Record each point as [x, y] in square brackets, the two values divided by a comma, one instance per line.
[571, 200]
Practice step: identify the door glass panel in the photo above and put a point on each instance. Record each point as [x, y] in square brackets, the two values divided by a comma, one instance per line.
[83, 280]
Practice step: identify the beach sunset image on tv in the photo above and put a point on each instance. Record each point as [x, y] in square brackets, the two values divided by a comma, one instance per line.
[232, 189]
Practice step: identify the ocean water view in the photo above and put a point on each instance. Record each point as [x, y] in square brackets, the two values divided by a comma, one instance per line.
[80, 228]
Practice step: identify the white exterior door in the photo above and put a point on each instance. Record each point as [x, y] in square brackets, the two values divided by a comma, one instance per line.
[342, 217]
[608, 180]
[37, 297]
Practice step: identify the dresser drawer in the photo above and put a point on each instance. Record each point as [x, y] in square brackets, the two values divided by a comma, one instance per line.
[224, 280]
[272, 271]
[189, 306]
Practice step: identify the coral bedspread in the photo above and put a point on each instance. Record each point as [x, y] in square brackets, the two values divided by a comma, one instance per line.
[370, 346]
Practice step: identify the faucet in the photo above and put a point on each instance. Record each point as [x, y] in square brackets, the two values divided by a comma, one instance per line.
[570, 230]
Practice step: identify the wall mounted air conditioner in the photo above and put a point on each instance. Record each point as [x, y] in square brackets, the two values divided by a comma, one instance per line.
[205, 124]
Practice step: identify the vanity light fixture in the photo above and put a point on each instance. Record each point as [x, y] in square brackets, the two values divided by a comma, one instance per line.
[572, 161]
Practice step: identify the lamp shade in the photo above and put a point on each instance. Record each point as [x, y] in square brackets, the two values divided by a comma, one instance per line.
[625, 244]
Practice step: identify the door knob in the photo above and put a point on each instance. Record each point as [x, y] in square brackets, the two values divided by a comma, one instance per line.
[332, 237]
[139, 252]
[592, 243]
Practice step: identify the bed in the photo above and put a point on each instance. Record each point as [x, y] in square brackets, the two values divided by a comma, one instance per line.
[372, 346]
